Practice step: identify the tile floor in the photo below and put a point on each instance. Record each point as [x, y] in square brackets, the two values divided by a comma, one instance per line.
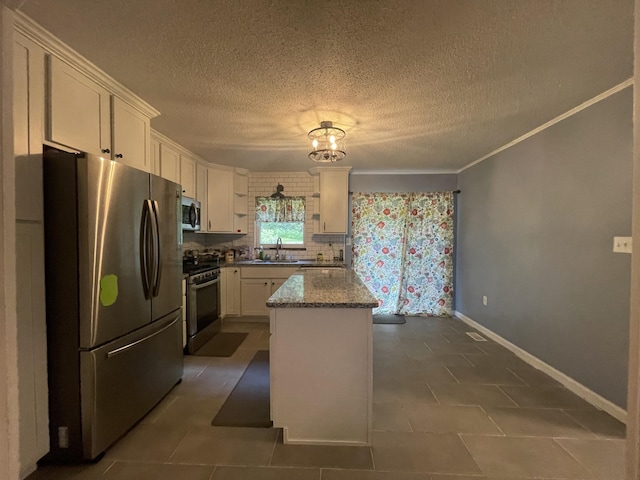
[445, 408]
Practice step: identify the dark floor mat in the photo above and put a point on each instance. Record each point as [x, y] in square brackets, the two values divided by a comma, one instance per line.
[248, 404]
[389, 319]
[223, 344]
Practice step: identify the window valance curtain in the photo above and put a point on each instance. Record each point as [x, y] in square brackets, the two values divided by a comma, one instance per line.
[288, 209]
[403, 250]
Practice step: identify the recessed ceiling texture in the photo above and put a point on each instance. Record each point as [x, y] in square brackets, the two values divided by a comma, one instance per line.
[429, 85]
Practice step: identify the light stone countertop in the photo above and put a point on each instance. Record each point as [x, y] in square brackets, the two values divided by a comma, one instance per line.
[320, 288]
[282, 263]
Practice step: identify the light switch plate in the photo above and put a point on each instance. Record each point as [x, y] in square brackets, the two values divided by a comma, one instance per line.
[622, 244]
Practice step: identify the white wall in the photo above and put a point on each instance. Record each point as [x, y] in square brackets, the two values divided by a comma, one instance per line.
[9, 421]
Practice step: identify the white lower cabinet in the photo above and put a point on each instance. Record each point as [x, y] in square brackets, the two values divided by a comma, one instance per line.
[230, 291]
[255, 292]
[233, 291]
[258, 284]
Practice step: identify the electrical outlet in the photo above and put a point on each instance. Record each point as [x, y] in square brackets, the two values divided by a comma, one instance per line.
[484, 300]
[63, 437]
[622, 244]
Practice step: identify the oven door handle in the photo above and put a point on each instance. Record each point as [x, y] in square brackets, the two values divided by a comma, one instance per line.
[206, 284]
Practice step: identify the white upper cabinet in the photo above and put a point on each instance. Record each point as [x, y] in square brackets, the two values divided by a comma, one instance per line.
[219, 200]
[155, 156]
[131, 136]
[79, 110]
[188, 176]
[169, 163]
[201, 195]
[334, 199]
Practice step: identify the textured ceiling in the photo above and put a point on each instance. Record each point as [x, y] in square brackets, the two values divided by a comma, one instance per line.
[417, 85]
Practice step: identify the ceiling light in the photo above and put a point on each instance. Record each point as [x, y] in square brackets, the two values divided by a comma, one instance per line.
[327, 143]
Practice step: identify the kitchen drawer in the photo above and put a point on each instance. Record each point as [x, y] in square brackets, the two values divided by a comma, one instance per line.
[122, 380]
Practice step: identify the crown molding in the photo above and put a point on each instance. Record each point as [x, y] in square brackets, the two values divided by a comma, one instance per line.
[573, 111]
[317, 170]
[54, 46]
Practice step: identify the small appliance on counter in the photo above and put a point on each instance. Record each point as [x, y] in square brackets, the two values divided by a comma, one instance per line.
[229, 257]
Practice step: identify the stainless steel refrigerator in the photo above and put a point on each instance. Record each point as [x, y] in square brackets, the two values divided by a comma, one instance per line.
[114, 294]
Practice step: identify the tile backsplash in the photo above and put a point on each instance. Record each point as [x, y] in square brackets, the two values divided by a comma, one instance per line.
[262, 185]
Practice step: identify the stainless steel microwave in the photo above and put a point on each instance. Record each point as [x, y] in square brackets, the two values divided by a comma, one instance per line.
[190, 214]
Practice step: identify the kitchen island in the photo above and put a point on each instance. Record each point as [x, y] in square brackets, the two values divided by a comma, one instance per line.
[321, 365]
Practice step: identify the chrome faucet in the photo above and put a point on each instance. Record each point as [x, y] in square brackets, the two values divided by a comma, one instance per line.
[278, 247]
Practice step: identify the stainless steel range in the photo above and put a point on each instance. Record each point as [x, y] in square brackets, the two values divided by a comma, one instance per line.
[203, 304]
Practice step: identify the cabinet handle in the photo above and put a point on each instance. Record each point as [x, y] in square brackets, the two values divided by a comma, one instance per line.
[106, 150]
[273, 283]
[266, 283]
[324, 226]
[209, 224]
[118, 155]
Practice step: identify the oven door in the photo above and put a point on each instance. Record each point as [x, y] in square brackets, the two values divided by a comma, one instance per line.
[203, 312]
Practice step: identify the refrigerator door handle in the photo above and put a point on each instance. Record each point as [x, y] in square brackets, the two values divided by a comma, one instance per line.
[157, 273]
[115, 352]
[144, 249]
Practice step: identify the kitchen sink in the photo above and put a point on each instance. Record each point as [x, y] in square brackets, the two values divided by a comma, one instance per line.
[268, 262]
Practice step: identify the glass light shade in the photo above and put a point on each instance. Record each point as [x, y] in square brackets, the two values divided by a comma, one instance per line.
[327, 143]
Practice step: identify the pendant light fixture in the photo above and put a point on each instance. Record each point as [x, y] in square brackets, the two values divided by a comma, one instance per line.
[327, 143]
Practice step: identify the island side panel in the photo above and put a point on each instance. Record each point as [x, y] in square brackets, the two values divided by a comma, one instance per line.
[322, 375]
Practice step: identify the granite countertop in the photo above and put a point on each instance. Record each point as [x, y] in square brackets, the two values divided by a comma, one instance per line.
[282, 263]
[319, 288]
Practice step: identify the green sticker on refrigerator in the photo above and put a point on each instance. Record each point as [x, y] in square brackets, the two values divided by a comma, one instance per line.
[108, 290]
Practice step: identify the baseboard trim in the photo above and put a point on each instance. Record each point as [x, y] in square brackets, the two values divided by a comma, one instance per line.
[589, 395]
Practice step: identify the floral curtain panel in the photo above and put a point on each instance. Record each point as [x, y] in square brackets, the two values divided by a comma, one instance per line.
[288, 209]
[403, 250]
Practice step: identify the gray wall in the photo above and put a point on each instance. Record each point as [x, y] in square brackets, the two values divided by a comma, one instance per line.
[535, 234]
[402, 183]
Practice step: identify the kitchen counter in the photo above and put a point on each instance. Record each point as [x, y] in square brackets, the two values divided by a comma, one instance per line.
[284, 263]
[317, 288]
[321, 361]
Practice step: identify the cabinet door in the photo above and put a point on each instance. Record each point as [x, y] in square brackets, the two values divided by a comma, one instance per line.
[224, 287]
[131, 136]
[155, 157]
[32, 344]
[254, 295]
[28, 120]
[201, 195]
[188, 176]
[276, 283]
[169, 163]
[240, 206]
[79, 110]
[334, 191]
[220, 200]
[233, 292]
